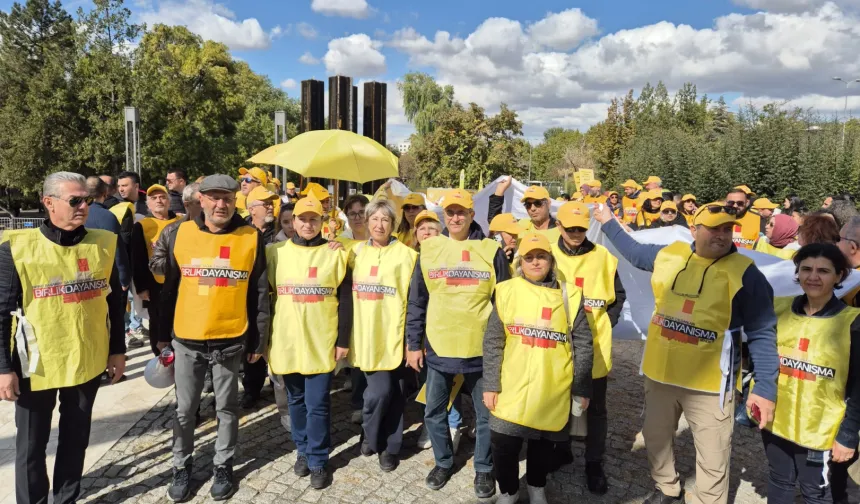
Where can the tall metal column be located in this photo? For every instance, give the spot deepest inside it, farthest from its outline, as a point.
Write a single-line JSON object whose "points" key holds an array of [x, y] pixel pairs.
{"points": [[340, 116], [280, 137], [313, 109], [374, 124], [132, 140]]}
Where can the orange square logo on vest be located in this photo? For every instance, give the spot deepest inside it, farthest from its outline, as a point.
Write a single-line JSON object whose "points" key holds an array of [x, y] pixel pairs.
{"points": [[797, 364], [82, 288], [306, 291], [369, 288], [214, 271]]}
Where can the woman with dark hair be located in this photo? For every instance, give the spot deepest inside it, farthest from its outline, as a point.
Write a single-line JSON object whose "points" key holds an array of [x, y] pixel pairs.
{"points": [[353, 207], [817, 414], [795, 207], [818, 228]]}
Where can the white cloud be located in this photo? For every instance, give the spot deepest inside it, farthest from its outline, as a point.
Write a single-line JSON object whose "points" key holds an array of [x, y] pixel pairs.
{"points": [[358, 9], [288, 84], [212, 21], [828, 105], [308, 59], [306, 30], [356, 55], [793, 5], [563, 31]]}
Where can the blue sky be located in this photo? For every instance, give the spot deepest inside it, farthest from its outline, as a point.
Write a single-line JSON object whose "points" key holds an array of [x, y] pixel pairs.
{"points": [[555, 63]]}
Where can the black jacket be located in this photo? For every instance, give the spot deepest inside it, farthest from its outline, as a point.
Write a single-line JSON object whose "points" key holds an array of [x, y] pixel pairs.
{"points": [[10, 295], [176, 205], [416, 313], [143, 279], [613, 310], [256, 338], [102, 218], [268, 233]]}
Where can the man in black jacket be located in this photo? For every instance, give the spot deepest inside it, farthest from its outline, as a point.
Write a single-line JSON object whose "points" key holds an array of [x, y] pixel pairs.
{"points": [[176, 181], [74, 306]]}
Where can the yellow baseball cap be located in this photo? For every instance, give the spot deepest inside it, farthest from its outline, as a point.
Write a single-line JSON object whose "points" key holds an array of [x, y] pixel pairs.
{"points": [[155, 188], [260, 193], [276, 182], [653, 179], [257, 173], [536, 193], [290, 185], [669, 205], [414, 199], [764, 204], [505, 222], [654, 194], [688, 197], [458, 197], [745, 189], [577, 196], [630, 183], [319, 192], [593, 183], [574, 214], [425, 215], [713, 215], [308, 204], [533, 241]]}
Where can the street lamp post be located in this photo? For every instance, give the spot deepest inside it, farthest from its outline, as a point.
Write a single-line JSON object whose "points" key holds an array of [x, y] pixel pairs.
{"points": [[845, 108]]}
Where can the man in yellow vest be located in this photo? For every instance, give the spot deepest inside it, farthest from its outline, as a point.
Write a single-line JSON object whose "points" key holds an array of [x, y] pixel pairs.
{"points": [[143, 239], [123, 211], [631, 203], [250, 179], [100, 217], [704, 294], [449, 305], [128, 185], [60, 282], [748, 226], [592, 270], [653, 183], [764, 207], [591, 191], [311, 331], [216, 298]]}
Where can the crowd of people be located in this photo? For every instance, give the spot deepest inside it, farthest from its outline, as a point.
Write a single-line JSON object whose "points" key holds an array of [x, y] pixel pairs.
{"points": [[244, 280]]}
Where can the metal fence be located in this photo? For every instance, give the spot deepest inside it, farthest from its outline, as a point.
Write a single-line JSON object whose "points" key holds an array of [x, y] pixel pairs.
{"points": [[9, 223]]}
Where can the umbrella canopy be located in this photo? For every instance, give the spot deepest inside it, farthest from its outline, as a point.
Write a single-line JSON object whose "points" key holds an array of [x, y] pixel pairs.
{"points": [[334, 154]]}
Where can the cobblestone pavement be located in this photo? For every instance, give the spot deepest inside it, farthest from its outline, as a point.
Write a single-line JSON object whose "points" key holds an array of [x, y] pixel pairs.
{"points": [[138, 469]]}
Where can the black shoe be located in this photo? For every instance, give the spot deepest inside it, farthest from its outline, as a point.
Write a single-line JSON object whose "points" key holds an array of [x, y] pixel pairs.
{"points": [[437, 478], [365, 449], [180, 488], [222, 487], [387, 461], [658, 497], [485, 485], [596, 478], [320, 478], [561, 455], [301, 467], [208, 388], [248, 401]]}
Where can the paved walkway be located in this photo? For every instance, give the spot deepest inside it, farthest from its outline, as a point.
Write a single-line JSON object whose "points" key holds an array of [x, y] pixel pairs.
{"points": [[137, 468]]}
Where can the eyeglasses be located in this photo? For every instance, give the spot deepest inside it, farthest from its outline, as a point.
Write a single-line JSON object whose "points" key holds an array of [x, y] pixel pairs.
{"points": [[535, 203], [227, 199], [355, 215], [75, 201], [265, 204], [575, 229], [845, 238], [411, 208]]}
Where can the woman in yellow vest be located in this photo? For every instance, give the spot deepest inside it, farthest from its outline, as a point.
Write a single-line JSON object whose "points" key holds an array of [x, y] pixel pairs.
{"points": [[535, 339], [427, 225], [310, 331], [413, 204], [650, 209], [817, 415], [590, 269], [632, 200], [688, 208], [780, 237], [615, 204], [381, 269]]}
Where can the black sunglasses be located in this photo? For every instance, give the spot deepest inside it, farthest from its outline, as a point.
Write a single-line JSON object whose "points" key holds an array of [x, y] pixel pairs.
{"points": [[715, 209], [669, 211], [738, 204], [575, 229], [75, 201], [535, 203]]}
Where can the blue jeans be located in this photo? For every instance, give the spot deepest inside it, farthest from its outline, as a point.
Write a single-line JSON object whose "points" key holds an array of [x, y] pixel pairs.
{"points": [[455, 419], [436, 418], [309, 398], [133, 322]]}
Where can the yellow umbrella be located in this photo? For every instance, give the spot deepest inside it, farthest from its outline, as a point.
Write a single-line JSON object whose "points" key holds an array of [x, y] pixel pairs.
{"points": [[333, 154]]}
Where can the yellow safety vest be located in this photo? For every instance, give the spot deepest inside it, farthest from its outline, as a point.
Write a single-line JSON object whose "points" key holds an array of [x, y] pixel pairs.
{"points": [[746, 231], [594, 199], [763, 246], [688, 218], [631, 208], [406, 238], [644, 219], [593, 274], [212, 299], [687, 333], [348, 243], [813, 373], [121, 208], [537, 366], [152, 229], [380, 283], [304, 328], [552, 233], [64, 298], [460, 279]]}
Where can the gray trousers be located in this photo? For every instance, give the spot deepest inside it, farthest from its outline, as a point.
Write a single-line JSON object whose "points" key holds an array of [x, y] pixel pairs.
{"points": [[281, 400], [190, 370]]}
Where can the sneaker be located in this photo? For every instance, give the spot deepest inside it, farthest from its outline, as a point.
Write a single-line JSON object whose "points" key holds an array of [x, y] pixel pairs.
{"points": [[455, 438], [424, 439], [471, 432], [485, 485], [301, 467], [132, 340], [596, 478], [437, 478], [248, 401], [508, 499], [658, 497], [366, 450], [537, 495], [387, 461], [208, 388], [180, 488], [222, 487], [357, 417], [320, 478]]}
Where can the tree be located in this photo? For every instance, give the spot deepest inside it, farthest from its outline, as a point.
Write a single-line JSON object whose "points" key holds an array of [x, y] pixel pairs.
{"points": [[424, 100]]}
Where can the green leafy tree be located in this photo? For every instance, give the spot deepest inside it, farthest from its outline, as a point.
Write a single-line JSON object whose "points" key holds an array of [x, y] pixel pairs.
{"points": [[424, 100]]}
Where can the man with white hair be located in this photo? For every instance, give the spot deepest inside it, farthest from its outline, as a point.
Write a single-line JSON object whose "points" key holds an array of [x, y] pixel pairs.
{"points": [[60, 282]]}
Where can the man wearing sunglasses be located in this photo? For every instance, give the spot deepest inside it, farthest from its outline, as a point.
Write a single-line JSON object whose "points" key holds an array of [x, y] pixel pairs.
{"points": [[61, 282], [705, 293], [591, 191], [669, 216], [248, 181], [591, 269], [537, 204], [631, 203], [749, 225], [449, 306]]}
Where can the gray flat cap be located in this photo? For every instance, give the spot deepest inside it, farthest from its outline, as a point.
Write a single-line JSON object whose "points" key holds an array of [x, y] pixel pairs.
{"points": [[219, 182]]}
